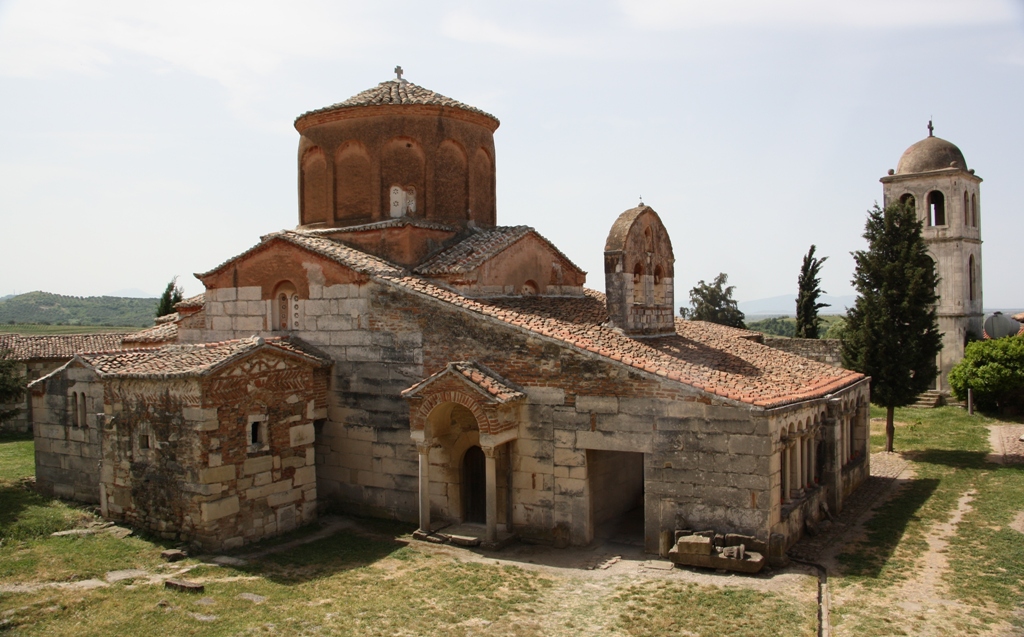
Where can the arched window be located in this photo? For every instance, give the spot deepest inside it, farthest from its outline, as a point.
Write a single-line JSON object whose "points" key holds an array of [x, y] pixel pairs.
{"points": [[936, 208], [74, 408], [659, 286], [974, 210], [286, 307], [81, 410], [909, 201], [970, 278], [967, 209], [638, 284], [529, 288]]}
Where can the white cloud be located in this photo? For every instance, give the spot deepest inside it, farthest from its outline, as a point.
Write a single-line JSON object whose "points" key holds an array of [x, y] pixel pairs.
{"points": [[797, 14], [464, 27], [232, 42]]}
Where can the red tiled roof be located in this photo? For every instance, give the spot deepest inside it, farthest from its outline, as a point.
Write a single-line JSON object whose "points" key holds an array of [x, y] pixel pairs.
{"points": [[195, 359], [486, 381], [719, 360], [397, 92], [57, 346], [400, 222], [478, 248], [334, 250], [1018, 317], [165, 332], [711, 358], [191, 303], [167, 318]]}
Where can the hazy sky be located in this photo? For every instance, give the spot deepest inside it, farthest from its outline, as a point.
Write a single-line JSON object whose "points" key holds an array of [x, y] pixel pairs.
{"points": [[139, 141]]}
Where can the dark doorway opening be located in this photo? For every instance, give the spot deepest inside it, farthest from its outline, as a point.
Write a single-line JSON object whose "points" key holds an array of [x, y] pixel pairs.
{"points": [[617, 495], [474, 486]]}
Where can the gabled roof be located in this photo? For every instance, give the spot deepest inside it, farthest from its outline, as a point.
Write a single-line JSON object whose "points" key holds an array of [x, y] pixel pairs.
{"points": [[397, 92], [333, 250], [165, 332], [57, 346], [194, 359], [478, 248], [493, 387], [711, 358], [191, 303]]}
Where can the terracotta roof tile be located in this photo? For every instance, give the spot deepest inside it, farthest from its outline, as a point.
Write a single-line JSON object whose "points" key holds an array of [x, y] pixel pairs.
{"points": [[478, 248], [166, 332], [486, 381], [195, 359], [711, 358], [334, 250], [193, 302], [397, 92], [379, 225], [57, 346], [1018, 317]]}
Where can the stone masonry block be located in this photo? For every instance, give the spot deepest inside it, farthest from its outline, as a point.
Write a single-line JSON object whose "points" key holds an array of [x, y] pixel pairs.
{"points": [[284, 497], [597, 404], [546, 395], [222, 323], [752, 445], [249, 293], [257, 465], [219, 508], [694, 545], [248, 323], [301, 435], [570, 458], [224, 294], [217, 474], [274, 487], [304, 475]]}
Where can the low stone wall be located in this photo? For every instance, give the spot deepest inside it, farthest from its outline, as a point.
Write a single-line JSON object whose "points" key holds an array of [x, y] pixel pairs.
{"points": [[822, 350]]}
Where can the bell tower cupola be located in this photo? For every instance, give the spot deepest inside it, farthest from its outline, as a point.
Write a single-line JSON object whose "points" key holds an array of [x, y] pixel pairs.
{"points": [[638, 270], [932, 176]]}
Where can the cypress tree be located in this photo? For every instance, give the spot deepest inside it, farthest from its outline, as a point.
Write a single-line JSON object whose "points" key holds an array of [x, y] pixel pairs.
{"points": [[808, 291], [173, 294], [892, 331]]}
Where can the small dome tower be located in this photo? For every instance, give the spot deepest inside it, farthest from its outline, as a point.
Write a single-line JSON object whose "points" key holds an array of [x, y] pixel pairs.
{"points": [[638, 270], [932, 175]]}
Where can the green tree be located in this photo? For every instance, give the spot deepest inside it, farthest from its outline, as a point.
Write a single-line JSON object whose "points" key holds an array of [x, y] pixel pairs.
{"points": [[714, 303], [775, 326], [994, 369], [12, 385], [892, 333], [808, 291], [173, 294]]}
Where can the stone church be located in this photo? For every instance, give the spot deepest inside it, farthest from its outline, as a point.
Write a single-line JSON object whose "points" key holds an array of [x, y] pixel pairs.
{"points": [[933, 177], [400, 354]]}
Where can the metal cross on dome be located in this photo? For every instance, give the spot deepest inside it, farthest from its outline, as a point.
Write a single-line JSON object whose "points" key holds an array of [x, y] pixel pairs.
{"points": [[931, 129], [398, 72]]}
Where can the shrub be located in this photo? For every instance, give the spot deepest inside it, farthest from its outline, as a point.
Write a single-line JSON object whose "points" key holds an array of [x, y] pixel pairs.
{"points": [[994, 369]]}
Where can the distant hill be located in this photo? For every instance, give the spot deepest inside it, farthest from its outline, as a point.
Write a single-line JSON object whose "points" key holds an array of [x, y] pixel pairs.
{"points": [[57, 309], [785, 305]]}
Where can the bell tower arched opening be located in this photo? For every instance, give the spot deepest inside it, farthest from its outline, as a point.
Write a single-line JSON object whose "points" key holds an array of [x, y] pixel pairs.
{"points": [[936, 208]]}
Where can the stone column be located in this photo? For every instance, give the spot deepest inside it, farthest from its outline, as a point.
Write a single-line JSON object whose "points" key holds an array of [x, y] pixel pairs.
{"points": [[424, 451], [813, 441], [491, 473], [785, 472], [799, 481]]}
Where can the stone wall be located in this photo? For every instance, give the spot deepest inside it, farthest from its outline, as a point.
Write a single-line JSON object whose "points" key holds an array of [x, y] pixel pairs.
{"points": [[823, 350], [68, 450], [30, 370]]}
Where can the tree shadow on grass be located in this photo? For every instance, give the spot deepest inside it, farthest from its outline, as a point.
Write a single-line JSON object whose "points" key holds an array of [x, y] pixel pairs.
{"points": [[886, 528], [27, 514], [950, 458], [344, 550]]}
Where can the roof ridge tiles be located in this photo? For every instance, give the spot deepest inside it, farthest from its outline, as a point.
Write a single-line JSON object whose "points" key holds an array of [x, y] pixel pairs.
{"points": [[398, 92]]}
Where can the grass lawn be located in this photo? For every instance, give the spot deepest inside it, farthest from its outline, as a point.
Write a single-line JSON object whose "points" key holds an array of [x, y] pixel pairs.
{"points": [[373, 581], [984, 556]]}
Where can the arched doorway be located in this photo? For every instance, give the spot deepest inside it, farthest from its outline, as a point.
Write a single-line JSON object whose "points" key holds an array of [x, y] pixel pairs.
{"points": [[474, 486]]}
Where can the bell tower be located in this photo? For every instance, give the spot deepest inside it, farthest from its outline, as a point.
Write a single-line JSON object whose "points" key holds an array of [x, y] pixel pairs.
{"points": [[933, 177], [638, 271]]}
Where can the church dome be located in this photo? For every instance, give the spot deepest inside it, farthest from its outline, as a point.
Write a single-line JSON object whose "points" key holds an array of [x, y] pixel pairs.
{"points": [[931, 153], [398, 92]]}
